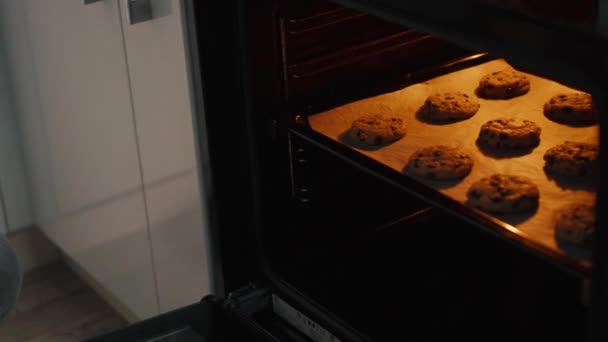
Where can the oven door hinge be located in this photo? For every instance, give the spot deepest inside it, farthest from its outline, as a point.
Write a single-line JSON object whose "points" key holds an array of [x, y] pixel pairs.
{"points": [[295, 326]]}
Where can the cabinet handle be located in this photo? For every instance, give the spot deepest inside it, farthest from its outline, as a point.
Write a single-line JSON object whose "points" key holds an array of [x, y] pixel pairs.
{"points": [[88, 2], [139, 11]]}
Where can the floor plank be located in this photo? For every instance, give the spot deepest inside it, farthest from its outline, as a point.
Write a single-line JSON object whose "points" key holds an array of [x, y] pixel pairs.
{"points": [[58, 283], [55, 305]]}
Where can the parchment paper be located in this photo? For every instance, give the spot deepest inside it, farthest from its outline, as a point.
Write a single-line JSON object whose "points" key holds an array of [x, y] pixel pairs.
{"points": [[405, 103]]}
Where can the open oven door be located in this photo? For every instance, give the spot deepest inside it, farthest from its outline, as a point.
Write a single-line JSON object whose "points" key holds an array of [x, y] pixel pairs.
{"points": [[252, 314], [204, 321]]}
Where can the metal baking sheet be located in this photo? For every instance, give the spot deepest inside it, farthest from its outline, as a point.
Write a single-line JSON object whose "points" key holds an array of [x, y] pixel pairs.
{"points": [[404, 103]]}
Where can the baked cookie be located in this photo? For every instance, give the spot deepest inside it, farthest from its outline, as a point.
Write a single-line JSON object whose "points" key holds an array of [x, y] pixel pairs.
{"points": [[439, 162], [570, 108], [453, 105], [503, 84], [502, 193], [575, 223], [572, 159], [509, 134], [376, 129]]}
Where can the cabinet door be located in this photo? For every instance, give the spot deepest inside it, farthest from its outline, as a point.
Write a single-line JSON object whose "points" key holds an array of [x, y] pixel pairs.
{"points": [[81, 75], [159, 84], [81, 142]]}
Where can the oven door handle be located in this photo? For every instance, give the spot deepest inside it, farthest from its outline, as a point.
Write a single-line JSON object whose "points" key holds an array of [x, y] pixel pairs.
{"points": [[139, 11]]}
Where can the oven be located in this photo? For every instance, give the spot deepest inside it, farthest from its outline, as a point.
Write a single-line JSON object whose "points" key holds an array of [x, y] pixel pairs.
{"points": [[323, 226]]}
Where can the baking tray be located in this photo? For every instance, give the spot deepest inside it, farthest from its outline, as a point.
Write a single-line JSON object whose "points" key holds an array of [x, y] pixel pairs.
{"points": [[405, 103]]}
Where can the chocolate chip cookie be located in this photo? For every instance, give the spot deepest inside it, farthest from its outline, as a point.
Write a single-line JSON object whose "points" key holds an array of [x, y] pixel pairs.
{"points": [[376, 129], [453, 105], [502, 193], [509, 134], [571, 108], [575, 223], [439, 162], [572, 159], [503, 84]]}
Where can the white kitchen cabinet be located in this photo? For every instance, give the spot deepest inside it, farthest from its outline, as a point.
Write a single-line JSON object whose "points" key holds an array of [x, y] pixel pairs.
{"points": [[84, 88], [176, 235], [111, 243], [80, 141], [105, 112], [159, 84]]}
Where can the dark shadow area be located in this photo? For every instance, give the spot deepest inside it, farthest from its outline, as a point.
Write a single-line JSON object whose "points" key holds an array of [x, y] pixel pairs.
{"points": [[516, 218], [483, 96], [502, 154], [421, 116], [575, 251], [513, 218], [571, 183], [578, 124], [346, 139], [435, 184]]}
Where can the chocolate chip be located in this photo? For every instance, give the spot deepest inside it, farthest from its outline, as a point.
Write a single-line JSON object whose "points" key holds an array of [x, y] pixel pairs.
{"points": [[496, 199], [475, 194]]}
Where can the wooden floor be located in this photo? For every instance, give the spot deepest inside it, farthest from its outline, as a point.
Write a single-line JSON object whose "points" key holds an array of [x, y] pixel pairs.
{"points": [[55, 305]]}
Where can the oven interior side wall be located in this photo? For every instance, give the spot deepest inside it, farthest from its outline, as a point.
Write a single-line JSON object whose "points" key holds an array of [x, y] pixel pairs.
{"points": [[331, 54]]}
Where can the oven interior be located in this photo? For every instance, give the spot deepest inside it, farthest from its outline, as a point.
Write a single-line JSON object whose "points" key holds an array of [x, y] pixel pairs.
{"points": [[397, 257]]}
